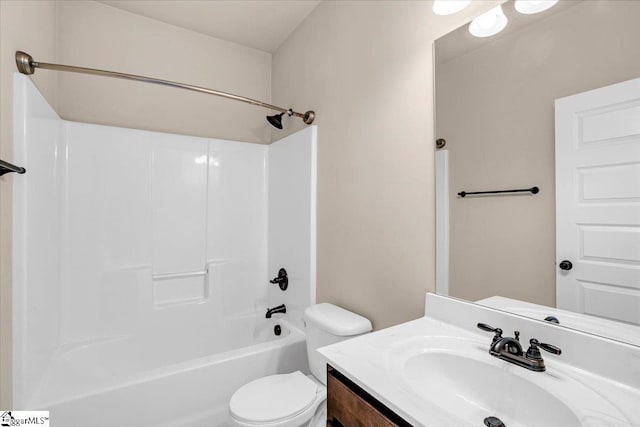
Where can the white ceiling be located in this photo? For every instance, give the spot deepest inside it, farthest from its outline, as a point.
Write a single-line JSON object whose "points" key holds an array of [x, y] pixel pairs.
{"points": [[260, 24]]}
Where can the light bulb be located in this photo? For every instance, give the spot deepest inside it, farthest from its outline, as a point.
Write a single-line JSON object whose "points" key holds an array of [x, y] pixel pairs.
{"points": [[529, 7], [489, 23], [449, 7]]}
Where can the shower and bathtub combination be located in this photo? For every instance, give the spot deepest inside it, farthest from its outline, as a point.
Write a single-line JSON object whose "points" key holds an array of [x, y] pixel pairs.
{"points": [[142, 267]]}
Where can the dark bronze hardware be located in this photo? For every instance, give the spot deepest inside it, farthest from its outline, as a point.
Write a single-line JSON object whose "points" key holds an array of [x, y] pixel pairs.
{"points": [[6, 167], [279, 309], [282, 280], [510, 350], [534, 353], [487, 328], [552, 319], [532, 190], [493, 422], [565, 265]]}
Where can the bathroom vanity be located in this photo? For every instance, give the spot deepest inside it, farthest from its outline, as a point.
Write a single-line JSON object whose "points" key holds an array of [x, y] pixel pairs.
{"points": [[437, 371], [350, 405]]}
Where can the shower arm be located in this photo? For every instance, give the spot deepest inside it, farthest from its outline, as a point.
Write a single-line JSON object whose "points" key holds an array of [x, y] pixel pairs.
{"points": [[27, 65]]}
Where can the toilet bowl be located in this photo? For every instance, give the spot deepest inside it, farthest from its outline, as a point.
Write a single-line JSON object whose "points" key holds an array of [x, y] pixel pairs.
{"points": [[296, 399], [288, 400]]}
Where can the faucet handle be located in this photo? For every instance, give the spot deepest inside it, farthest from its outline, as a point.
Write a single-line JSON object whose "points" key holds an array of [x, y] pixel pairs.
{"points": [[551, 348], [282, 280], [487, 328], [534, 352]]}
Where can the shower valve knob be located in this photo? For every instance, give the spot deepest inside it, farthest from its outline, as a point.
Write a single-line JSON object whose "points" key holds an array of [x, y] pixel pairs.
{"points": [[282, 280]]}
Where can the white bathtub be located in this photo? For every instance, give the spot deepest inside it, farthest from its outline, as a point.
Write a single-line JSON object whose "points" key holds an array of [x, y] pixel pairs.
{"points": [[102, 385]]}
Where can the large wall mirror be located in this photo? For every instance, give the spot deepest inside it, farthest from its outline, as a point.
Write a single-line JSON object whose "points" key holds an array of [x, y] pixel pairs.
{"points": [[552, 101]]}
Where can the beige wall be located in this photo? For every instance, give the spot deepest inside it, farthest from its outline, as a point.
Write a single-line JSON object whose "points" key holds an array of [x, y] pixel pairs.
{"points": [[30, 26], [366, 69], [495, 109], [99, 36]]}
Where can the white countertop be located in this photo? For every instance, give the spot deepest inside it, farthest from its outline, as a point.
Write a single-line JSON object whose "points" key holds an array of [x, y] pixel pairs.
{"points": [[371, 362]]}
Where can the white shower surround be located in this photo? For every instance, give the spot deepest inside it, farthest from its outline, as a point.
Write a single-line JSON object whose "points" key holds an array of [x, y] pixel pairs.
{"points": [[139, 254]]}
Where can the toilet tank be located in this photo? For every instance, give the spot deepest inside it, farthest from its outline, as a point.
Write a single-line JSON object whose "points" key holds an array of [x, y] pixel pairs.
{"points": [[327, 324]]}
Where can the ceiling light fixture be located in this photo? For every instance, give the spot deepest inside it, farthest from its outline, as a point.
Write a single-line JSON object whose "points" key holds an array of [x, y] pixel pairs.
{"points": [[489, 23], [529, 7], [449, 7]]}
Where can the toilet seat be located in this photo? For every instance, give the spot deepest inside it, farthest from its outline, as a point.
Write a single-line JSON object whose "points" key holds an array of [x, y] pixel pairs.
{"points": [[287, 400]]}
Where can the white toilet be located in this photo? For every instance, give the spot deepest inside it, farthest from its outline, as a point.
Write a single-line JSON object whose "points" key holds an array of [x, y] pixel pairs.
{"points": [[296, 400]]}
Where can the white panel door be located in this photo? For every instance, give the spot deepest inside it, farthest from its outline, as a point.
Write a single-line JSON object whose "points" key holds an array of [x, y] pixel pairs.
{"points": [[598, 202]]}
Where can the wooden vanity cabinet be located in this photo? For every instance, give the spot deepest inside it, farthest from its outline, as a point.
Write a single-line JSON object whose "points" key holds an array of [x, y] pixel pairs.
{"points": [[348, 405]]}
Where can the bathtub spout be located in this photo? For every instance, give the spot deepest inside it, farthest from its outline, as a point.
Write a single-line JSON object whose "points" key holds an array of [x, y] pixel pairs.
{"points": [[279, 309]]}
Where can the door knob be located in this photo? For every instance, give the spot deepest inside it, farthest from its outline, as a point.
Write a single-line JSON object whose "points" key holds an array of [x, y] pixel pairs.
{"points": [[565, 265]]}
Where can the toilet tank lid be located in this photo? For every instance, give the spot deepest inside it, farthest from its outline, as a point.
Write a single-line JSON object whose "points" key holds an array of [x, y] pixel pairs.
{"points": [[335, 320]]}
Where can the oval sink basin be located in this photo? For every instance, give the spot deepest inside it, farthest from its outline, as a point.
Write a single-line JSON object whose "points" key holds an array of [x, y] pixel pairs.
{"points": [[473, 390]]}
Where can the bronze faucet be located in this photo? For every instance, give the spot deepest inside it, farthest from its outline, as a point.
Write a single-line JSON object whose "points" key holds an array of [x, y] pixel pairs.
{"points": [[279, 309], [510, 349]]}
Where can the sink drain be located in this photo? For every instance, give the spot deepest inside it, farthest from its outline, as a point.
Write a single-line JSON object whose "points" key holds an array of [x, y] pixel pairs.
{"points": [[493, 422]]}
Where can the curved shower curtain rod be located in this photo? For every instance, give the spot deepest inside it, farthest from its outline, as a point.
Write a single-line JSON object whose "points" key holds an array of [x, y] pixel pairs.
{"points": [[26, 65]]}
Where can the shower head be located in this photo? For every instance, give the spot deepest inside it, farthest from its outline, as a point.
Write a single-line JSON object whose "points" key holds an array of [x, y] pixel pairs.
{"points": [[276, 120]]}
